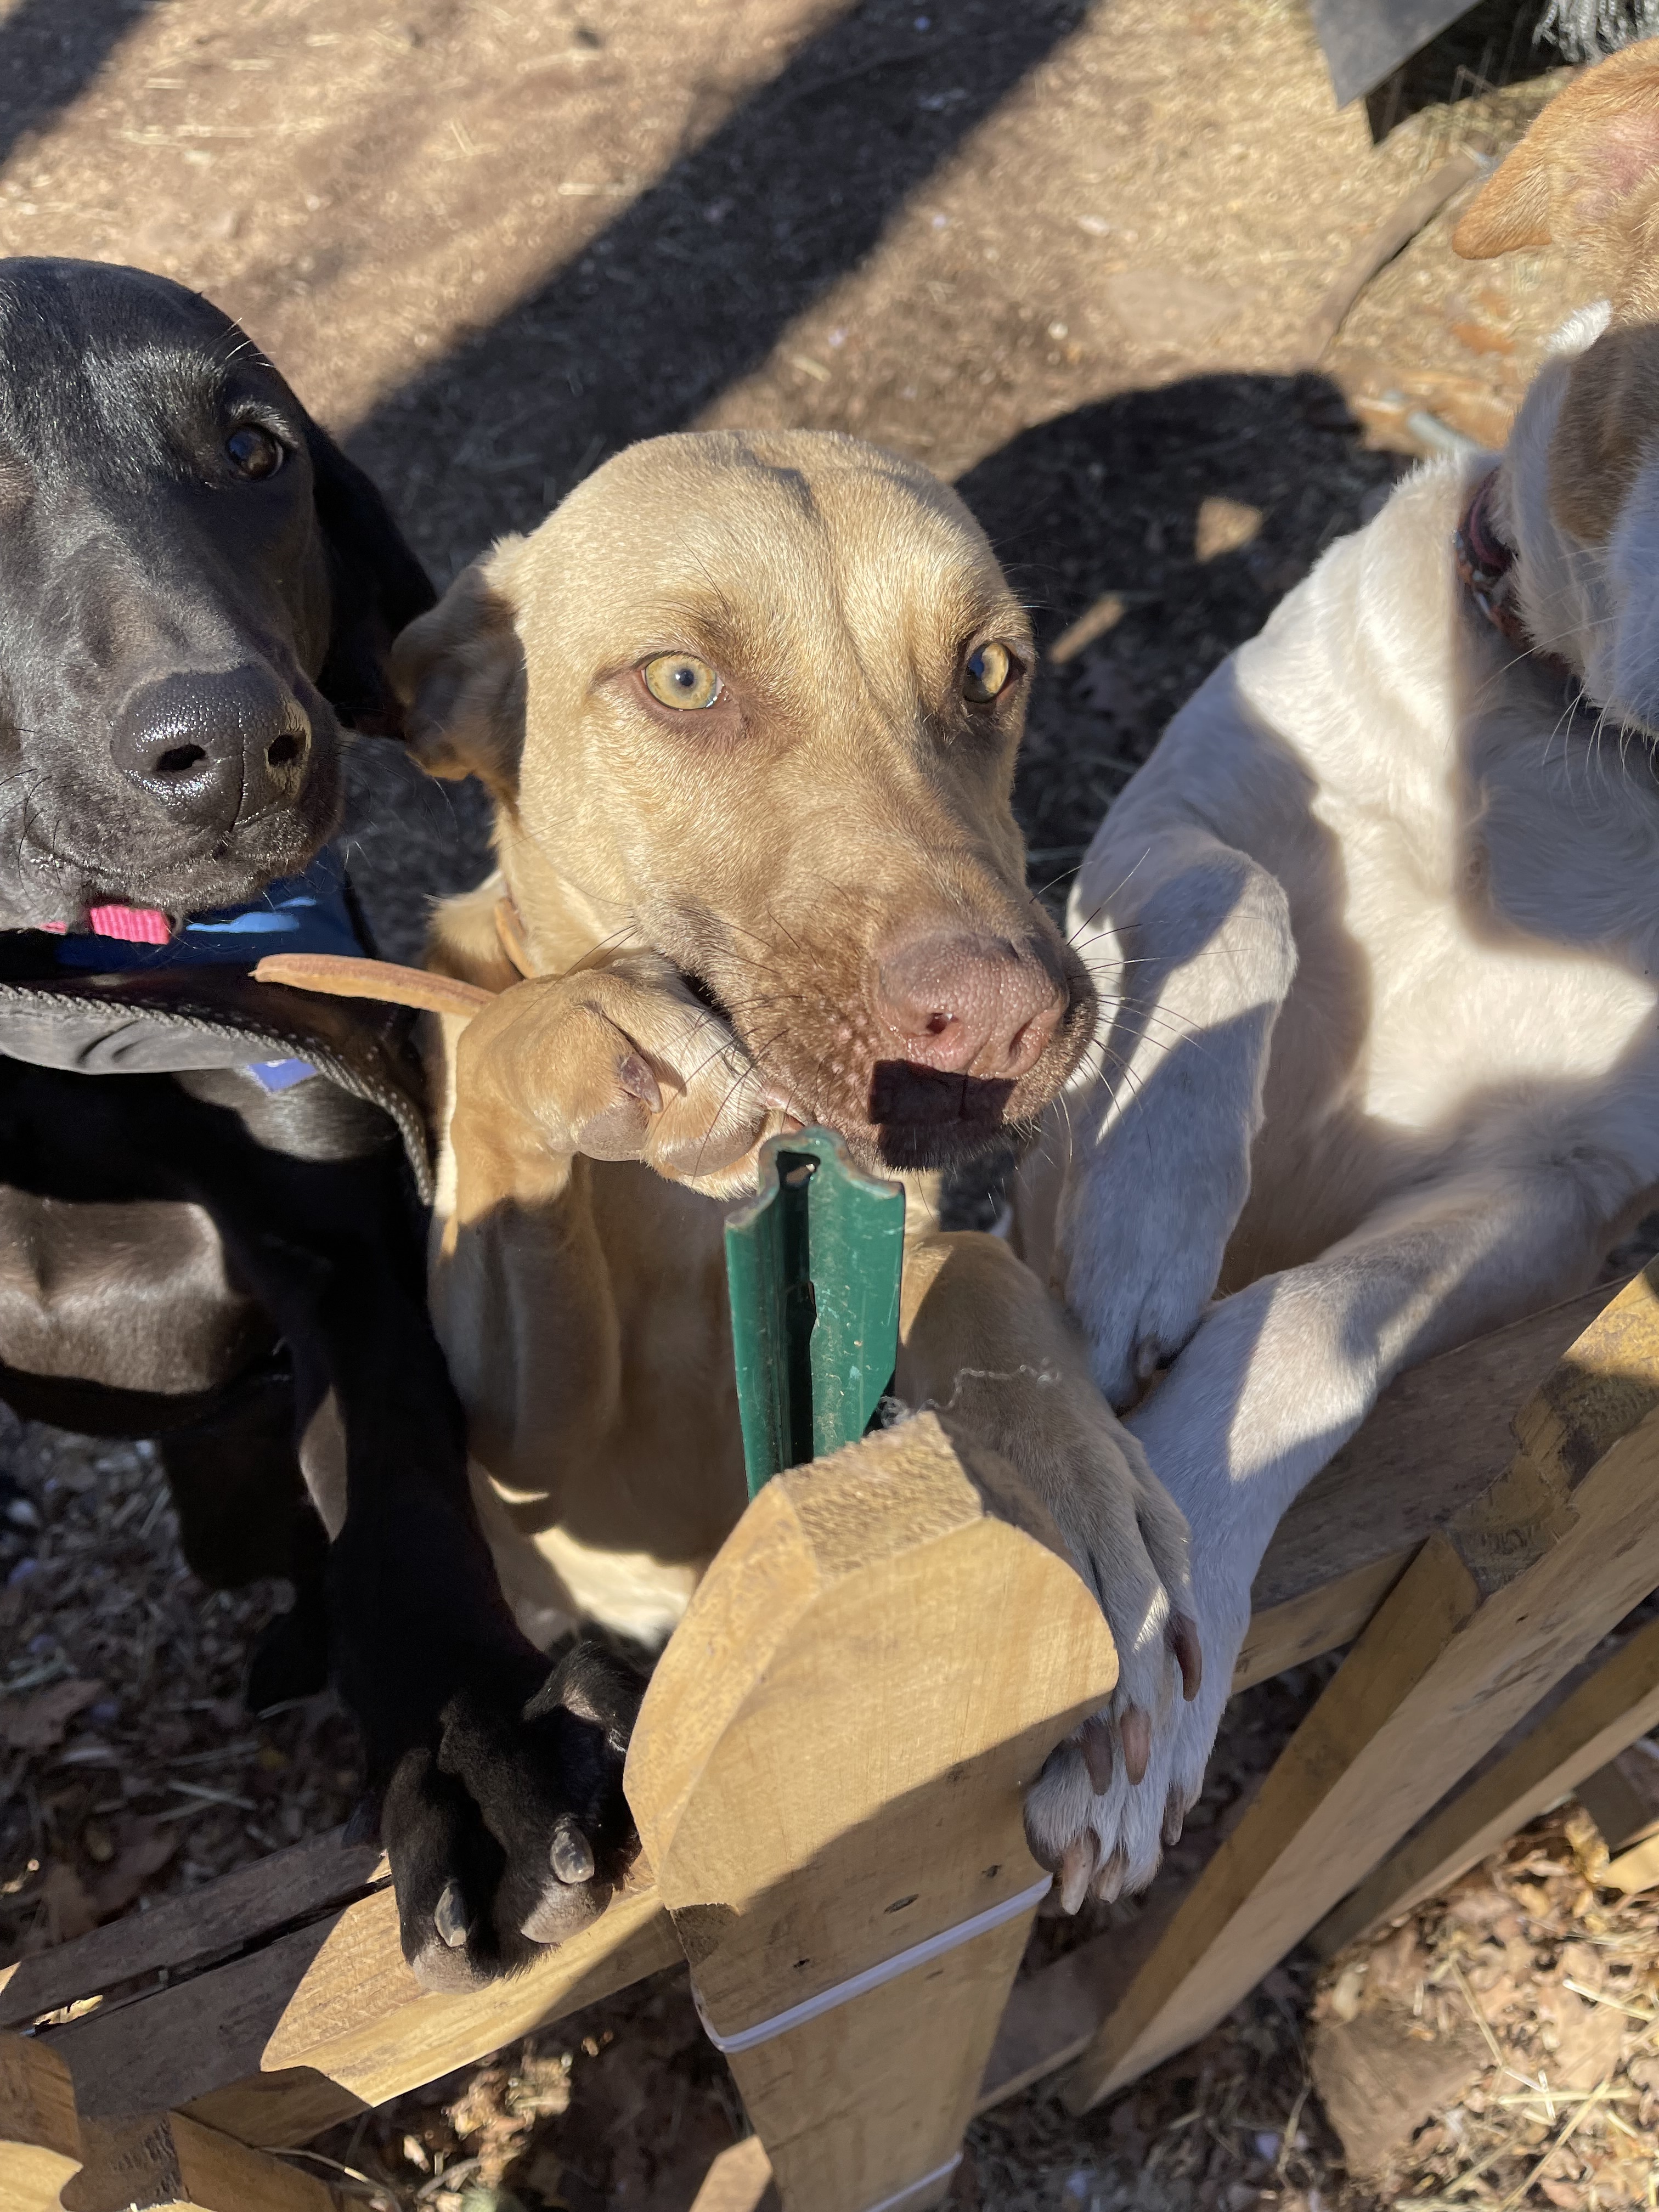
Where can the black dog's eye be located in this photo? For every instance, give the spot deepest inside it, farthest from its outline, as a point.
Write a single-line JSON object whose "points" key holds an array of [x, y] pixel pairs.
{"points": [[254, 453]]}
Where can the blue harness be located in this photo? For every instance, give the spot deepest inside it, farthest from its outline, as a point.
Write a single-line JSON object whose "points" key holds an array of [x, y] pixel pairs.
{"points": [[301, 914]]}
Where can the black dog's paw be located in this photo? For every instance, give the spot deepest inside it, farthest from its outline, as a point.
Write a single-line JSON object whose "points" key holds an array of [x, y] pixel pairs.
{"points": [[289, 1659], [512, 1830]]}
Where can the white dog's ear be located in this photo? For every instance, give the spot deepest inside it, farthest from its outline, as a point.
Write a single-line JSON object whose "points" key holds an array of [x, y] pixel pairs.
{"points": [[1586, 174], [461, 673]]}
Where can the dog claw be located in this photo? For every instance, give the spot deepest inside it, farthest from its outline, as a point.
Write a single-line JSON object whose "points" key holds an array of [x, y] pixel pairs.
{"points": [[1189, 1656], [571, 1855], [1135, 1734], [1076, 1870], [1094, 1741], [1109, 1880], [450, 1917], [637, 1080], [1174, 1819]]}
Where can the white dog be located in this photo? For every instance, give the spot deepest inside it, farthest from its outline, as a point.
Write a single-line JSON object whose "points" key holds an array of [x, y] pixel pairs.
{"points": [[1379, 925]]}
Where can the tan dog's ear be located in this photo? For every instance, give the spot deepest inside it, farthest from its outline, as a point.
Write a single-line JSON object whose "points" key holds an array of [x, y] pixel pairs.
{"points": [[460, 673], [1586, 174]]}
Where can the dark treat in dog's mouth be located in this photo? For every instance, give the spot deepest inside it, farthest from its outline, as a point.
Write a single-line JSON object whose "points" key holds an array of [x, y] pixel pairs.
{"points": [[915, 1117], [904, 1096]]}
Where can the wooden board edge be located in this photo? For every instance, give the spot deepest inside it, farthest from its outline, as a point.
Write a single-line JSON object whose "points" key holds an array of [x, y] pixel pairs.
{"points": [[193, 1933], [1610, 1709], [1322, 1619]]}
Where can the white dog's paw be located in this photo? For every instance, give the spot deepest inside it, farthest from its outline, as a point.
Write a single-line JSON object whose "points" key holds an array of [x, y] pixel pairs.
{"points": [[1139, 1252], [1113, 1797]]}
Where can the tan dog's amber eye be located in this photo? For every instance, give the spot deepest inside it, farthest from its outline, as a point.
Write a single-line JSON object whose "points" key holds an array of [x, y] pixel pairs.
{"points": [[986, 672], [678, 680]]}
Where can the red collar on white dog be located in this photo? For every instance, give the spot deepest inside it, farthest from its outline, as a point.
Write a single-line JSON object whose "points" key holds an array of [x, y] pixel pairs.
{"points": [[1485, 565]]}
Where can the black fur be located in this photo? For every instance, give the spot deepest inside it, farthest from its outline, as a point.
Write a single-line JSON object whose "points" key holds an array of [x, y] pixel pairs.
{"points": [[179, 644]]}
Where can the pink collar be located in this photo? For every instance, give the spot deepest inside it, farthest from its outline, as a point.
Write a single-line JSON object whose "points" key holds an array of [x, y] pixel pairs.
{"points": [[132, 925], [1487, 565]]}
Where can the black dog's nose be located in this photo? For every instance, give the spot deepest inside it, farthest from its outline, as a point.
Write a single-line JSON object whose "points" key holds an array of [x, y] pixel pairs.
{"points": [[215, 748]]}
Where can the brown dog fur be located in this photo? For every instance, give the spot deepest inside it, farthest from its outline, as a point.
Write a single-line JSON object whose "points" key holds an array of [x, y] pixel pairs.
{"points": [[1587, 174], [713, 904]]}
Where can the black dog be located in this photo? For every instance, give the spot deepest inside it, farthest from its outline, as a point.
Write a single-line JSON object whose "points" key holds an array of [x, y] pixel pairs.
{"points": [[197, 590]]}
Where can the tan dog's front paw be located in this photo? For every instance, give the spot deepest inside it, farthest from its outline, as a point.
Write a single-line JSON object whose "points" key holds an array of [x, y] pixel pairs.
{"points": [[619, 1062]]}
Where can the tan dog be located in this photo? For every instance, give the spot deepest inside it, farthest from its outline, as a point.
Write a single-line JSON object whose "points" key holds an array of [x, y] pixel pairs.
{"points": [[748, 707]]}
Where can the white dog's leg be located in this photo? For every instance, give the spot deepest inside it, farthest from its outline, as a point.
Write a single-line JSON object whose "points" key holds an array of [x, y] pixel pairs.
{"points": [[1190, 945], [1276, 1379]]}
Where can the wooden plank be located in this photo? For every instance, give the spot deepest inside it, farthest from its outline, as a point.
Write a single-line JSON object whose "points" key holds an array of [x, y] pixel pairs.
{"points": [[1053, 2015], [332, 2008], [1496, 1608], [1619, 1702], [249, 1906], [279, 2111], [167, 2163], [360, 2017], [1633, 1870], [739, 2180], [827, 1774], [40, 2133], [1324, 1616], [1437, 1437], [1622, 1797], [250, 2051], [31, 2179], [249, 2045]]}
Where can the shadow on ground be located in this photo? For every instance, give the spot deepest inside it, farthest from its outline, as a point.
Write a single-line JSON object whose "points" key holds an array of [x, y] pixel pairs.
{"points": [[49, 55]]}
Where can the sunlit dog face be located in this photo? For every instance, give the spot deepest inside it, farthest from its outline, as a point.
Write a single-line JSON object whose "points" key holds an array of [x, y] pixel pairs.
{"points": [[196, 589], [1580, 482], [1581, 487], [755, 701]]}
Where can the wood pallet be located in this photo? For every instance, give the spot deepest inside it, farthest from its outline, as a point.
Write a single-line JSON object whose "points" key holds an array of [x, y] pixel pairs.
{"points": [[854, 1921]]}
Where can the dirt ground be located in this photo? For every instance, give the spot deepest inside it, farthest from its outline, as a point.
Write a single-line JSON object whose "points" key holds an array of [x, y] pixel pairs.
{"points": [[1066, 254]]}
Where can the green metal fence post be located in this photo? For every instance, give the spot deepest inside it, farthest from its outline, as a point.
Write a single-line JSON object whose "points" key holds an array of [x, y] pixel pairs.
{"points": [[812, 1264]]}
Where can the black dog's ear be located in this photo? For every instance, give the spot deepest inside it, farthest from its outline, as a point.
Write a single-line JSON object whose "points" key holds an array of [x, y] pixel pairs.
{"points": [[376, 587]]}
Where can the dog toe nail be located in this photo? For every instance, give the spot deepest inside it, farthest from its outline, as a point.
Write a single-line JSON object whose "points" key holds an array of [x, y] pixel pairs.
{"points": [[450, 1917], [637, 1080], [1174, 1819], [571, 1855], [1077, 1868], [1189, 1656], [1094, 1741], [1135, 1734], [1109, 1880]]}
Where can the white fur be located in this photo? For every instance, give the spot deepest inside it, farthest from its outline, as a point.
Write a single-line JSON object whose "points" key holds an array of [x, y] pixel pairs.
{"points": [[1582, 328], [1379, 922]]}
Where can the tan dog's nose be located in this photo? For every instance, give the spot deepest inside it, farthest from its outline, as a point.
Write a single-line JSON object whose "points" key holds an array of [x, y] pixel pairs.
{"points": [[970, 1006]]}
